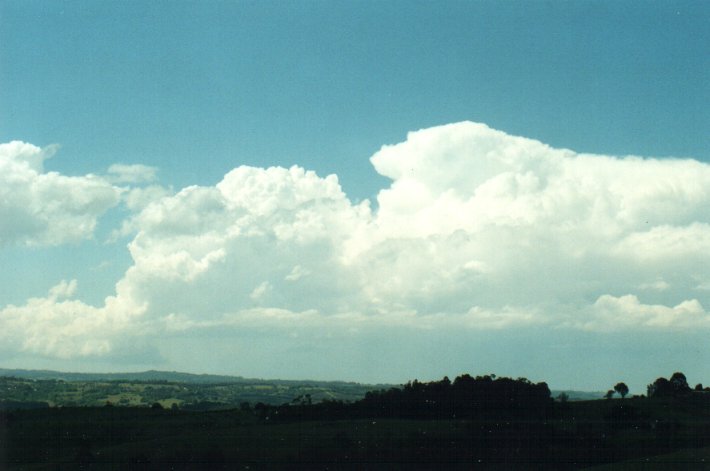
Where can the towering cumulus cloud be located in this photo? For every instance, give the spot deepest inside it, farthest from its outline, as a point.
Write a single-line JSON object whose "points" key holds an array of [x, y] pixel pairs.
{"points": [[478, 230], [477, 218]]}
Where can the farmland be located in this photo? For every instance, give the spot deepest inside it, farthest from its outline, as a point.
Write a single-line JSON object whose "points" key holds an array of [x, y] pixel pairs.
{"points": [[61, 393]]}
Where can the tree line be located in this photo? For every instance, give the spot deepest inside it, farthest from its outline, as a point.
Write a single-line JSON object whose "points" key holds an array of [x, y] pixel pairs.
{"points": [[467, 397]]}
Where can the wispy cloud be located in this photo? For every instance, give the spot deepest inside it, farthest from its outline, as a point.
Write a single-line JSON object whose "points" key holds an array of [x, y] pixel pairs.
{"points": [[135, 173]]}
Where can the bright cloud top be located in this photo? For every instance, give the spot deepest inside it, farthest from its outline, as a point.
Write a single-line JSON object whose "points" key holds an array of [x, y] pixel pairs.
{"points": [[478, 230]]}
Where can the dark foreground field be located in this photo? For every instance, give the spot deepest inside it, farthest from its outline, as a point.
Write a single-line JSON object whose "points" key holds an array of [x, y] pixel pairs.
{"points": [[673, 433]]}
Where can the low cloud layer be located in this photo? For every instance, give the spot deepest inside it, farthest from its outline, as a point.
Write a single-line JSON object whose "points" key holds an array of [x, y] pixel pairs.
{"points": [[479, 230]]}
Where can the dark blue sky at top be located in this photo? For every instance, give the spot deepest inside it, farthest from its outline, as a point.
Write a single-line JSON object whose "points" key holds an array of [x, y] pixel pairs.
{"points": [[197, 88]]}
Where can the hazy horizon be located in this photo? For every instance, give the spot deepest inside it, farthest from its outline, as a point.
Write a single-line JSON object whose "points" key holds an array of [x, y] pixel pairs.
{"points": [[357, 191], [266, 379]]}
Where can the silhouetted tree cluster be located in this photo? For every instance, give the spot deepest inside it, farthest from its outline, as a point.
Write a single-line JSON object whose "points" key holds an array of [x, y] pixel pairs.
{"points": [[676, 386], [466, 397]]}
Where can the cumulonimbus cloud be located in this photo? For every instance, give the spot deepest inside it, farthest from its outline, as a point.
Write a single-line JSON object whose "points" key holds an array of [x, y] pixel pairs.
{"points": [[478, 230]]}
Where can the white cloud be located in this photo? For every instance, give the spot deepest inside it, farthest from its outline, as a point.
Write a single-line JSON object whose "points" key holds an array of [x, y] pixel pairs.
{"points": [[136, 199], [63, 290], [38, 208], [611, 313], [478, 230], [261, 291], [24, 155], [665, 242], [297, 273], [135, 173], [657, 285], [504, 317], [58, 326]]}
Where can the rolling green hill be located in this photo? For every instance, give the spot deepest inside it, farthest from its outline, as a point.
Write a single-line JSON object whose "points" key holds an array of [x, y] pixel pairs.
{"points": [[31, 388]]}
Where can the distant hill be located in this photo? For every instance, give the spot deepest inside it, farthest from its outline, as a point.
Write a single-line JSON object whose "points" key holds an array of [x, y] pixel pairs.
{"points": [[167, 387], [191, 378], [579, 395], [151, 376], [147, 376]]}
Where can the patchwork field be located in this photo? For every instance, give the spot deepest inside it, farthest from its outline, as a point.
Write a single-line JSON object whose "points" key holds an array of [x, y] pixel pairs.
{"points": [[58, 392]]}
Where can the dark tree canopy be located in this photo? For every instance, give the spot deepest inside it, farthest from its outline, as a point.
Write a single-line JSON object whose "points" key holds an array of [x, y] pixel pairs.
{"points": [[677, 385], [465, 398], [622, 389], [660, 388], [679, 382]]}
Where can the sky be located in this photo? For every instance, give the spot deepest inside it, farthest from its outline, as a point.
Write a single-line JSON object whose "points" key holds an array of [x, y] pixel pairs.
{"points": [[364, 191]]}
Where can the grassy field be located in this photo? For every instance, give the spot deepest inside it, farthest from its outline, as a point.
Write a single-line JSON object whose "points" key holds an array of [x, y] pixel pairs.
{"points": [[468, 423], [146, 439], [630, 434], [687, 459]]}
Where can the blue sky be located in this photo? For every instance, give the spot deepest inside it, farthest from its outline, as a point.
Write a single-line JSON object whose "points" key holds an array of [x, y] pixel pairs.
{"points": [[325, 84], [191, 90]]}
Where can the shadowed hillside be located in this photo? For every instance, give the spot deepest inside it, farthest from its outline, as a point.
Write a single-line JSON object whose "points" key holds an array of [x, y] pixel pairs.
{"points": [[470, 422]]}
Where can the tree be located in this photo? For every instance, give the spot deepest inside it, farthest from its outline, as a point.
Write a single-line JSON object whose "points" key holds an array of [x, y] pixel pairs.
{"points": [[563, 397], [676, 386], [680, 383], [609, 394], [660, 388], [622, 389]]}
